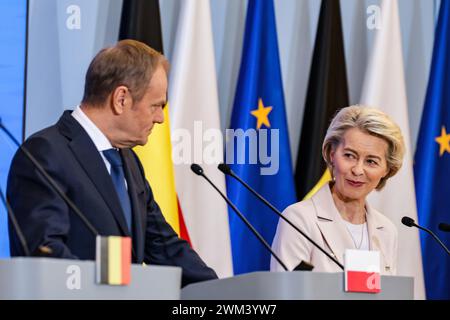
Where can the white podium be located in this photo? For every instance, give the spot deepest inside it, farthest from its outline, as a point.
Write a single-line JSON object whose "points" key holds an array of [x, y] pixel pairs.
{"points": [[297, 285], [47, 278]]}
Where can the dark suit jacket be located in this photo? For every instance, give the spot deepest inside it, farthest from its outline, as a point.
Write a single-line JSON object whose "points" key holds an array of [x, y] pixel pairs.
{"points": [[70, 157]]}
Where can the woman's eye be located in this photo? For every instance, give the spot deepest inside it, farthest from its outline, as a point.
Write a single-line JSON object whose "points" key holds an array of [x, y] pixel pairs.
{"points": [[349, 155]]}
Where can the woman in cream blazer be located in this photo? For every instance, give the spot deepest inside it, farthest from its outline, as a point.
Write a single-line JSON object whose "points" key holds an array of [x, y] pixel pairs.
{"points": [[363, 148]]}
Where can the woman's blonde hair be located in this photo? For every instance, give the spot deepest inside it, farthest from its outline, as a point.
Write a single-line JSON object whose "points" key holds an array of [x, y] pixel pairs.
{"points": [[373, 122]]}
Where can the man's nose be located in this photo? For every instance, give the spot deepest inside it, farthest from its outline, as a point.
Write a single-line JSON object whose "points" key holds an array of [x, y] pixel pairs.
{"points": [[159, 117]]}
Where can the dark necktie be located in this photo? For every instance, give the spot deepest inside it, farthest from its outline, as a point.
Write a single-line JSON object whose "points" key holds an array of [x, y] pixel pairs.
{"points": [[118, 179]]}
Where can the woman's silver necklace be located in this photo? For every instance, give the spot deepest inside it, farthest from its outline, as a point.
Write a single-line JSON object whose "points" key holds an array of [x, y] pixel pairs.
{"points": [[362, 233], [362, 237]]}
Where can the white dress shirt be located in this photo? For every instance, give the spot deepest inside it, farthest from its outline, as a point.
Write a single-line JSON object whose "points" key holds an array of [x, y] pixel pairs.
{"points": [[100, 141]]}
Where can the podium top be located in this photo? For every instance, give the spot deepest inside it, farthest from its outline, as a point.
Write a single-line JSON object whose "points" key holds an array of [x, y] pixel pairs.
{"points": [[296, 285], [49, 278]]}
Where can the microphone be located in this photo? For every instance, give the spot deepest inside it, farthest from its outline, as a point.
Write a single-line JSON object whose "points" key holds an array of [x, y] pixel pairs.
{"points": [[199, 171], [409, 222], [444, 227], [227, 171], [50, 180]]}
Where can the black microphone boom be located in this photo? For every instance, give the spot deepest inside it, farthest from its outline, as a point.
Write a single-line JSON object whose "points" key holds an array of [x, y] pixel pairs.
{"points": [[199, 171], [227, 170], [50, 180], [409, 222], [11, 215], [12, 218]]}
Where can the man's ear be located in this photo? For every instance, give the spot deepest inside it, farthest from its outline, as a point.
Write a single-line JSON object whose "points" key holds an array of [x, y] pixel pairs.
{"points": [[120, 98]]}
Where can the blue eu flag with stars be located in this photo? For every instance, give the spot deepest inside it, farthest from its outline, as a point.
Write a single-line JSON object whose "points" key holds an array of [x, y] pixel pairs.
{"points": [[432, 163]]}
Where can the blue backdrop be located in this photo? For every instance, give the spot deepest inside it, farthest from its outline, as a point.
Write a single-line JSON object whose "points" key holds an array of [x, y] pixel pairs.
{"points": [[12, 84]]}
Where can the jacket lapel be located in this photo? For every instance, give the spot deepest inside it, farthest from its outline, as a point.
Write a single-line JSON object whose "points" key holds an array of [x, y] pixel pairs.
{"points": [[335, 233], [89, 158], [332, 228], [136, 190], [376, 234]]}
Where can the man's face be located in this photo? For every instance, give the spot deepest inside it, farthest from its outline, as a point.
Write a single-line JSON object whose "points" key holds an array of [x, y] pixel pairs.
{"points": [[138, 120]]}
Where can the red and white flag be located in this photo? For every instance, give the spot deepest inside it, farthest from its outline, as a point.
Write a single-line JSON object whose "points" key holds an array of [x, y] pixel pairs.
{"points": [[362, 271], [197, 136]]}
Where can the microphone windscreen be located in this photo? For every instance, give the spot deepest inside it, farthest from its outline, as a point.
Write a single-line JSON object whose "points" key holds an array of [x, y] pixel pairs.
{"points": [[407, 221], [444, 227], [224, 168], [197, 169]]}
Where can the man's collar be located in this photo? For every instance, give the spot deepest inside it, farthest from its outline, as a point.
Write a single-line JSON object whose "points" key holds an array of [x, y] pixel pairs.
{"points": [[97, 136]]}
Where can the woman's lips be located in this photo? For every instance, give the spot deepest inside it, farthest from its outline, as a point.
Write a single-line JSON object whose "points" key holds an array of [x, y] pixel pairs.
{"points": [[354, 183]]}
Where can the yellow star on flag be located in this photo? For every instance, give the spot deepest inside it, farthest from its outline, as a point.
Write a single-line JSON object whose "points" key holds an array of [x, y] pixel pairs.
{"points": [[262, 115], [444, 142]]}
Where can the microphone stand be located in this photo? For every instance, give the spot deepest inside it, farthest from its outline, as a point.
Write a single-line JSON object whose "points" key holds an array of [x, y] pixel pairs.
{"points": [[50, 180], [199, 171], [227, 170], [15, 224]]}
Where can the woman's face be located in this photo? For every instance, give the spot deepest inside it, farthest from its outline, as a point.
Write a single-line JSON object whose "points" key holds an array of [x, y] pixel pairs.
{"points": [[359, 163]]}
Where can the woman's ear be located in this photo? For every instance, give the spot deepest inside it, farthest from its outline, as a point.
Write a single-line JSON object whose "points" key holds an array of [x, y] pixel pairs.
{"points": [[332, 155]]}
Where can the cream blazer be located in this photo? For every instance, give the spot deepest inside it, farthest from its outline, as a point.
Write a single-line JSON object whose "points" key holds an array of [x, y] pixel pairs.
{"points": [[319, 218]]}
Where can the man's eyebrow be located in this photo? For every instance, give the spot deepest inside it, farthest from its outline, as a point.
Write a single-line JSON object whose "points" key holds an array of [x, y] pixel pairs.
{"points": [[160, 102]]}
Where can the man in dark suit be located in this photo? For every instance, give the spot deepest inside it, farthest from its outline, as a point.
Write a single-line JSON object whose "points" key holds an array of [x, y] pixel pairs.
{"points": [[88, 152]]}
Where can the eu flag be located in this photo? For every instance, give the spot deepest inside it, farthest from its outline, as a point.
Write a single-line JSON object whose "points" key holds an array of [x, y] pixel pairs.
{"points": [[432, 162], [258, 144]]}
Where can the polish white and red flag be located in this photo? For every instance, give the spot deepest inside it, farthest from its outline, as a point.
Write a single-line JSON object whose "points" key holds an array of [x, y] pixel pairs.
{"points": [[362, 271]]}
